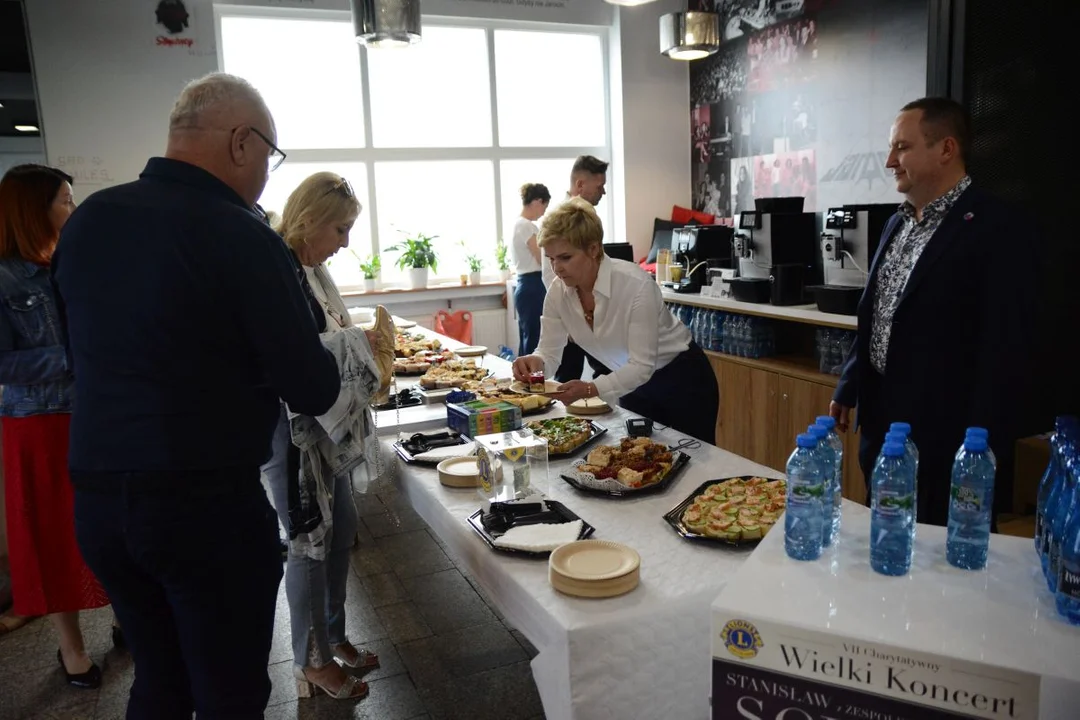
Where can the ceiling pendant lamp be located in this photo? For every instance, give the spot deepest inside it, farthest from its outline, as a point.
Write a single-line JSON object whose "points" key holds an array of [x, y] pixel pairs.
{"points": [[628, 3], [386, 23], [689, 35]]}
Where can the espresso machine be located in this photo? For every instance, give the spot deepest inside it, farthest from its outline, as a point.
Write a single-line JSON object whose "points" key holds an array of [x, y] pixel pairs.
{"points": [[848, 244], [777, 255], [698, 248]]}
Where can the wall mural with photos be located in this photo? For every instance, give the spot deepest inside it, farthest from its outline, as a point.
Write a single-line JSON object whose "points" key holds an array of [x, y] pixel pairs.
{"points": [[799, 100]]}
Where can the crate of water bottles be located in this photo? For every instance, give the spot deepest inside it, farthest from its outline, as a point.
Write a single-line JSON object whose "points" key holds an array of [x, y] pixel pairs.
{"points": [[832, 347], [812, 519], [1057, 519], [743, 335]]}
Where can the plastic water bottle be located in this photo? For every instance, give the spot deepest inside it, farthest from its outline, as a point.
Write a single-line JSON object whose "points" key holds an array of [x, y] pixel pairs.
{"points": [[1059, 519], [838, 470], [826, 458], [985, 435], [1058, 442], [1060, 494], [1068, 578], [912, 452], [805, 513], [971, 501], [892, 511]]}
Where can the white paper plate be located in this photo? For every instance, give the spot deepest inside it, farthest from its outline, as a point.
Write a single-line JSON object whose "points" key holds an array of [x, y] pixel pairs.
{"points": [[550, 386], [594, 560], [459, 472], [588, 406], [404, 324], [471, 351]]}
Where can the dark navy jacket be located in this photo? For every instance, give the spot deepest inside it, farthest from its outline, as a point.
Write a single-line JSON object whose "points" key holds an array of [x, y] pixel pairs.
{"points": [[186, 324], [959, 349], [33, 364]]}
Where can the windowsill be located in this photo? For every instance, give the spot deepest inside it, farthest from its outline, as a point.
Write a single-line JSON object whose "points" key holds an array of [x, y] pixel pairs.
{"points": [[441, 290]]}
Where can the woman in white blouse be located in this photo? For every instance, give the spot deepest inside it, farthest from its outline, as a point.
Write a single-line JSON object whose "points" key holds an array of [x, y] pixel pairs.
{"points": [[315, 224], [614, 311], [525, 253]]}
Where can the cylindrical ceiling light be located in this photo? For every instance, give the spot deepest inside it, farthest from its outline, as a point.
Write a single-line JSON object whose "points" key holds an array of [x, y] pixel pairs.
{"points": [[628, 3], [689, 35], [386, 23]]}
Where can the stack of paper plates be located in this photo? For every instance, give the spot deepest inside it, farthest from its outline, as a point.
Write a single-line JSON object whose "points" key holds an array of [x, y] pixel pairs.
{"points": [[594, 569], [588, 406]]}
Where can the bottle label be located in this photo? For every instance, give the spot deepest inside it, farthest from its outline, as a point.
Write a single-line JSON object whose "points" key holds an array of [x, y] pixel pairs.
{"points": [[1069, 580], [967, 499], [805, 489], [893, 504]]}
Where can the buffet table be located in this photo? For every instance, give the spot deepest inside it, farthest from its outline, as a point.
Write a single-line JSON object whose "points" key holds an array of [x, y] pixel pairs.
{"points": [[936, 643], [641, 655]]}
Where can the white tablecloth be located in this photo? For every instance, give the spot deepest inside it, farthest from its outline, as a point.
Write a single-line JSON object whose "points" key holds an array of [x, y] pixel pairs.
{"points": [[643, 655]]}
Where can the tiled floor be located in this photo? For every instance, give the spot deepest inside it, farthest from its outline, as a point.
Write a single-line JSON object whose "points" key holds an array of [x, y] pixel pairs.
{"points": [[445, 652]]}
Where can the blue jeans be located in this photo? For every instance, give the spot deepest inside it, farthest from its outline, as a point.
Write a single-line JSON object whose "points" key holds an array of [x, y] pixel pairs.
{"points": [[315, 588], [529, 303], [192, 566]]}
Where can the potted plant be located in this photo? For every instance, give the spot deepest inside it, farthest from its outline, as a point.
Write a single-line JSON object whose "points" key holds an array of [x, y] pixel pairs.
{"points": [[417, 255], [371, 268], [502, 260], [475, 265]]}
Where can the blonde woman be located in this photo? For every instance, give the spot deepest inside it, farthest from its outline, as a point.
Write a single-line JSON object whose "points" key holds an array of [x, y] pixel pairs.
{"points": [[315, 224], [614, 311]]}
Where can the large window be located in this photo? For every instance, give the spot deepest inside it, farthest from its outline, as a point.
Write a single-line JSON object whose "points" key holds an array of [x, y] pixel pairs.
{"points": [[434, 139]]}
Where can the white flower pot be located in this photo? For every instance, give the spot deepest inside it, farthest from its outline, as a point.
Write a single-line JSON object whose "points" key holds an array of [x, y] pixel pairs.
{"points": [[504, 275], [474, 278], [369, 284], [418, 278]]}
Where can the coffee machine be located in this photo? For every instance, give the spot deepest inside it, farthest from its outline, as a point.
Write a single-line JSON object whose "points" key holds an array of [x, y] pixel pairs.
{"points": [[848, 245], [779, 247], [698, 248]]}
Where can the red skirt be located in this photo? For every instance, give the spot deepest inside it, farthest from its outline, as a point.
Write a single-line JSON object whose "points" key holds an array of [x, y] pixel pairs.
{"points": [[48, 574]]}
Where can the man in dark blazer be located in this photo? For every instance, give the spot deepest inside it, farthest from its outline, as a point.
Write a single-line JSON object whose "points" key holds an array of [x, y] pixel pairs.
{"points": [[945, 321]]}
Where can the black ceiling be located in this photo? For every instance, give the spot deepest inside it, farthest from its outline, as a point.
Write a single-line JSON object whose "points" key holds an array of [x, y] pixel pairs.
{"points": [[14, 59]]}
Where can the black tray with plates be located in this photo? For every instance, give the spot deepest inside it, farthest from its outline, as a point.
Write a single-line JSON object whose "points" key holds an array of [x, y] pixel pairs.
{"points": [[409, 397], [585, 482], [499, 522], [423, 442], [674, 516], [596, 431]]}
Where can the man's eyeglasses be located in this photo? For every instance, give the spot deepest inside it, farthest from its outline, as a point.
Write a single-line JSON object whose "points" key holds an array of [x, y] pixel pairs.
{"points": [[277, 156]]}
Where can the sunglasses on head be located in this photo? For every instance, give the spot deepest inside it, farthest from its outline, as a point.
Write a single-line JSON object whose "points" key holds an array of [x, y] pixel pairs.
{"points": [[343, 187]]}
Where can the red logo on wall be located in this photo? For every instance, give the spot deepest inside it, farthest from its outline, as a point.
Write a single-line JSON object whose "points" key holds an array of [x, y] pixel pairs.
{"points": [[174, 16]]}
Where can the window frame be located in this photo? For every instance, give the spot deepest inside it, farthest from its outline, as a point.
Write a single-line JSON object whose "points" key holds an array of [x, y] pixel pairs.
{"points": [[370, 155]]}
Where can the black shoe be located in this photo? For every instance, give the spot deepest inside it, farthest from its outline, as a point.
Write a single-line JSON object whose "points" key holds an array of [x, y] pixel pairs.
{"points": [[118, 640], [89, 680]]}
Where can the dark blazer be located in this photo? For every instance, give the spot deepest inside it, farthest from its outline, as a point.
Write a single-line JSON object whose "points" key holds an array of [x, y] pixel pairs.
{"points": [[959, 347]]}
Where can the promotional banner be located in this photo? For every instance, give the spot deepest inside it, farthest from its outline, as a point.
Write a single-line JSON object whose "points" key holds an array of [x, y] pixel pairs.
{"points": [[766, 671]]}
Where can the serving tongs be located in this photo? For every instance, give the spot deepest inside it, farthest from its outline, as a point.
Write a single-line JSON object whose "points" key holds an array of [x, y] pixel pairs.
{"points": [[504, 515], [409, 397], [421, 443]]}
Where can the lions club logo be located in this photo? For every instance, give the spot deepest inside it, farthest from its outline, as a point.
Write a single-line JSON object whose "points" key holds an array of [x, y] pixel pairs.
{"points": [[741, 639]]}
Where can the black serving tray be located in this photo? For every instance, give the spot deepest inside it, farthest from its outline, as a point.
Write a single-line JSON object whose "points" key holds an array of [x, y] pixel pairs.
{"points": [[673, 517], [406, 449], [553, 505], [597, 432], [677, 466]]}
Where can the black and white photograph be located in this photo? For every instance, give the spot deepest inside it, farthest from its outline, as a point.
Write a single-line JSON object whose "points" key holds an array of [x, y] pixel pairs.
{"points": [[719, 77], [742, 185], [742, 17], [782, 55]]}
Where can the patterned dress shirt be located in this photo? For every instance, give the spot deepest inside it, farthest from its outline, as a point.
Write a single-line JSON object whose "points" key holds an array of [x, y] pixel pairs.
{"points": [[900, 258]]}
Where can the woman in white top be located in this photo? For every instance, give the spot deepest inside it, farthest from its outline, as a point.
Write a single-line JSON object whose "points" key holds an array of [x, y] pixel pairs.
{"points": [[315, 224], [525, 253], [614, 311]]}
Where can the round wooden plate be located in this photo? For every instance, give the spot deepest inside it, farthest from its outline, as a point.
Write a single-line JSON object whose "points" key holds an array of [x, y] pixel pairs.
{"points": [[460, 472], [550, 387], [594, 560], [471, 351]]}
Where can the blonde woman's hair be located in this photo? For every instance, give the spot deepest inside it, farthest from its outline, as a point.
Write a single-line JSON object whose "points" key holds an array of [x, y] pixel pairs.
{"points": [[324, 197], [576, 222]]}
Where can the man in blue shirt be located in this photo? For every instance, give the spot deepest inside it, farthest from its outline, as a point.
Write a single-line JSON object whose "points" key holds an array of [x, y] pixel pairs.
{"points": [[185, 325]]}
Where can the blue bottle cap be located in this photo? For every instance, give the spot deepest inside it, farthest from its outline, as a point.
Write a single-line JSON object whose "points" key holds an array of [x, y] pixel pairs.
{"points": [[817, 430], [896, 437], [978, 432], [893, 449], [974, 443], [806, 441], [901, 427], [826, 420]]}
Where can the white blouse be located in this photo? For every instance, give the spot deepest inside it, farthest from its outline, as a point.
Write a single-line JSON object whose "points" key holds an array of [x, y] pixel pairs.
{"points": [[524, 262], [632, 333]]}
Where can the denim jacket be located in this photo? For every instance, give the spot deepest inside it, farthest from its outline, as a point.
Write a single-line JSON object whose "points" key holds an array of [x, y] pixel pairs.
{"points": [[33, 358]]}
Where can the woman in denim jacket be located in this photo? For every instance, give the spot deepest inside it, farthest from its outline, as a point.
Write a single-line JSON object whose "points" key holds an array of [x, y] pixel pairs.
{"points": [[48, 574]]}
